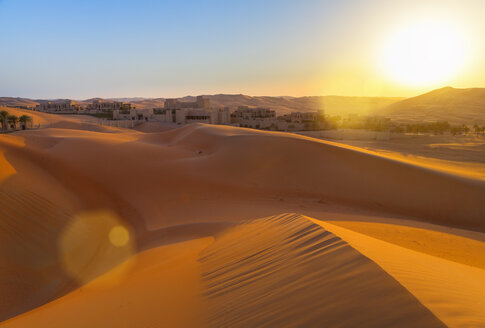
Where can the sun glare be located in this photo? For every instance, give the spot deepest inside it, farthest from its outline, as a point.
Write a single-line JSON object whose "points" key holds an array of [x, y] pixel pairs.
{"points": [[424, 53]]}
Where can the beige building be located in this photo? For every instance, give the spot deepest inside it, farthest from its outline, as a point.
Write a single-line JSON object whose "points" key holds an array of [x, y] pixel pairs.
{"points": [[199, 115], [198, 111], [144, 114], [69, 106], [256, 118], [64, 106], [303, 117], [265, 118], [99, 106], [200, 102], [302, 121], [178, 112]]}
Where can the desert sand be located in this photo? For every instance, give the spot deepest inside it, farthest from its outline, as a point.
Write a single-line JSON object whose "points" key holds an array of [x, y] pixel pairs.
{"points": [[460, 155], [227, 227], [455, 105]]}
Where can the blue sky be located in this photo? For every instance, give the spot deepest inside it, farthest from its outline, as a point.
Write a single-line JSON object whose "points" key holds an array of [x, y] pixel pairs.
{"points": [[106, 48]]}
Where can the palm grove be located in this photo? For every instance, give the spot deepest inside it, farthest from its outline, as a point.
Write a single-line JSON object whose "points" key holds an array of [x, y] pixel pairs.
{"points": [[8, 120]]}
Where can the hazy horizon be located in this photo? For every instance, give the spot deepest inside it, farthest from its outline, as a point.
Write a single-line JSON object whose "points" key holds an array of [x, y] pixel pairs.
{"points": [[225, 94], [153, 49], [194, 95]]}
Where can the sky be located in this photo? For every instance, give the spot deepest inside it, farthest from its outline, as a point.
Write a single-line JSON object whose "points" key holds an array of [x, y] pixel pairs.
{"points": [[146, 48]]}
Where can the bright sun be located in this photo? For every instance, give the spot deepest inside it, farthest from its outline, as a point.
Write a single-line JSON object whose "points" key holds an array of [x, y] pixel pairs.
{"points": [[424, 53]]}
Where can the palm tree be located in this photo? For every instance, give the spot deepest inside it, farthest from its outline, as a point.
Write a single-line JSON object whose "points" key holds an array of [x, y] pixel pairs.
{"points": [[13, 119], [477, 129], [3, 118], [24, 119]]}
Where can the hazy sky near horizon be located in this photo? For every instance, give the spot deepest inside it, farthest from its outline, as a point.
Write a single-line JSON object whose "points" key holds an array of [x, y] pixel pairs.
{"points": [[147, 48]]}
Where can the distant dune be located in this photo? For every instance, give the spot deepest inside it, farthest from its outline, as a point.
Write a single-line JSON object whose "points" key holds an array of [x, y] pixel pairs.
{"points": [[457, 106], [11, 101]]}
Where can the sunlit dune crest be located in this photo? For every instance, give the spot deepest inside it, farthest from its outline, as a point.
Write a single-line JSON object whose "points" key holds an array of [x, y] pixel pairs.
{"points": [[436, 282], [298, 273]]}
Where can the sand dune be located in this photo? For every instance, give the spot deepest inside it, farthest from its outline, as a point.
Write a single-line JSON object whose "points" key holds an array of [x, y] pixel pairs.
{"points": [[462, 155], [280, 271], [157, 288], [454, 292], [212, 159], [287, 272], [101, 218], [15, 101], [29, 251], [64, 121], [457, 106]]}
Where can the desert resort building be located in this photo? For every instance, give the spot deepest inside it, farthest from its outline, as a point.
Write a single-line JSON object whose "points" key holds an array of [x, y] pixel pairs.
{"points": [[200, 110], [179, 112], [70, 107], [64, 106], [106, 106], [174, 111], [265, 118]]}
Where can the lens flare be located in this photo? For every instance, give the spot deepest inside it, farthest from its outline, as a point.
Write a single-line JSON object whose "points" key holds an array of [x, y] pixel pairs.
{"points": [[94, 243], [119, 236]]}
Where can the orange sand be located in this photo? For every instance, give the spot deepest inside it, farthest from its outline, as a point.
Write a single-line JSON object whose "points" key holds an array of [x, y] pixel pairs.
{"points": [[112, 227]]}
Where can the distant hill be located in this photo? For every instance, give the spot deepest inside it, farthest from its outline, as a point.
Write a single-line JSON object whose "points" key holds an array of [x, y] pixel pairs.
{"points": [[457, 106], [128, 99], [11, 101], [26, 102]]}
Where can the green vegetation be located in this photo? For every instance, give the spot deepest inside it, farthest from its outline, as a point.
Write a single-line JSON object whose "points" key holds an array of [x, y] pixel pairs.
{"points": [[372, 123], [479, 130], [10, 122], [13, 119], [3, 119], [378, 123], [432, 127], [24, 119]]}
